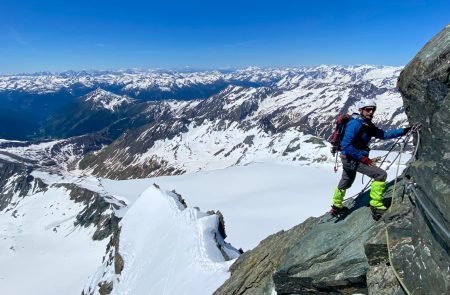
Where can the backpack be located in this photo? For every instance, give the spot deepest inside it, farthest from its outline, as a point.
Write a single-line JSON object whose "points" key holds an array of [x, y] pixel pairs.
{"points": [[338, 133]]}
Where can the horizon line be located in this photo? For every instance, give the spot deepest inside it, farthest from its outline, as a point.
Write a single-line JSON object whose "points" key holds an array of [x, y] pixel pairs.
{"points": [[193, 69]]}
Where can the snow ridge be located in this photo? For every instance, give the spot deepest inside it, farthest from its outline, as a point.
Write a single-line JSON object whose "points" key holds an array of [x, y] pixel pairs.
{"points": [[158, 232]]}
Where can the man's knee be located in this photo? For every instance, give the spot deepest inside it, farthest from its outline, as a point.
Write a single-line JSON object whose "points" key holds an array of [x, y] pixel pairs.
{"points": [[382, 176], [345, 184]]}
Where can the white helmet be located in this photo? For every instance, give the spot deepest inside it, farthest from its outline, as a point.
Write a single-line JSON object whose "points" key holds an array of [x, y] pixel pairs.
{"points": [[367, 102]]}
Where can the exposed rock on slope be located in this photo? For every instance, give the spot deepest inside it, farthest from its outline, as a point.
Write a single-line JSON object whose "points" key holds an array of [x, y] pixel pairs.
{"points": [[16, 181], [425, 86], [352, 256], [319, 256]]}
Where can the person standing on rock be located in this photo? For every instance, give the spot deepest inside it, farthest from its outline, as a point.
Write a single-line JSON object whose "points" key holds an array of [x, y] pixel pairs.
{"points": [[355, 157]]}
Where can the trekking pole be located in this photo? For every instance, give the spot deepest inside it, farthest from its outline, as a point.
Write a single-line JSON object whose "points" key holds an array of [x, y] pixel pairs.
{"points": [[336, 163]]}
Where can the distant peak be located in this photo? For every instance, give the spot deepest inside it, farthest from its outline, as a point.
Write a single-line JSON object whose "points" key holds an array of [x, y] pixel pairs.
{"points": [[101, 98]]}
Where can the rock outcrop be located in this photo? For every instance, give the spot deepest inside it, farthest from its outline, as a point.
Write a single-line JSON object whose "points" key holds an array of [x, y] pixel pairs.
{"points": [[425, 86], [319, 256], [407, 251], [16, 181]]}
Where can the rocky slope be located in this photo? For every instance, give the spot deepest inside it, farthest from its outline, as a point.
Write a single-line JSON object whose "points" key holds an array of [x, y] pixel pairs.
{"points": [[407, 252]]}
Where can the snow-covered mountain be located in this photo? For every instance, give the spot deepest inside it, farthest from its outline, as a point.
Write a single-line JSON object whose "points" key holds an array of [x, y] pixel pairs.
{"points": [[42, 97], [191, 253], [255, 116], [241, 125], [73, 220], [101, 99], [136, 81]]}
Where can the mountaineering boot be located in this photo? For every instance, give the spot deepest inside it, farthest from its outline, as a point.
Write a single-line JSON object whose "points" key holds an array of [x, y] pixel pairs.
{"points": [[376, 195], [338, 212], [338, 198]]}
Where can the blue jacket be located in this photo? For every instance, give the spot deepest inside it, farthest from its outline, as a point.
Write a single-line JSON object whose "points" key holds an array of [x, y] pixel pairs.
{"points": [[359, 132]]}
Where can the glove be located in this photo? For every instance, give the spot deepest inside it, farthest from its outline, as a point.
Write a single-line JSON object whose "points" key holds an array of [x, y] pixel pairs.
{"points": [[366, 161], [413, 127], [376, 159], [407, 129]]}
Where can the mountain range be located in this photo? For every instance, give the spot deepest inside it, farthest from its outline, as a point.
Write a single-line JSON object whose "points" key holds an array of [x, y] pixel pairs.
{"points": [[38, 104]]}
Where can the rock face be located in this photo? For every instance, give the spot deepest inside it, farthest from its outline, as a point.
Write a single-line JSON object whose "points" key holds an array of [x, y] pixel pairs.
{"points": [[252, 272], [425, 86], [407, 251]]}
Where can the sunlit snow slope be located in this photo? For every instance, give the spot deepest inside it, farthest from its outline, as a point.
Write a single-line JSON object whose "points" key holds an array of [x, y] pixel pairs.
{"points": [[41, 251], [167, 249]]}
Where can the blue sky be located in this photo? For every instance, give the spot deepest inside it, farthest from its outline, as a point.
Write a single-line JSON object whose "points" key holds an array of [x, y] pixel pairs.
{"points": [[62, 35]]}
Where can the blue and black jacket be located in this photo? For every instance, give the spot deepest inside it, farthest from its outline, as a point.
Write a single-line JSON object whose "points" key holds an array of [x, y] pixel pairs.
{"points": [[359, 132]]}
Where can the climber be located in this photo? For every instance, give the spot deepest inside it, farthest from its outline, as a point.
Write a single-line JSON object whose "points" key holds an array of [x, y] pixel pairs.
{"points": [[355, 157]]}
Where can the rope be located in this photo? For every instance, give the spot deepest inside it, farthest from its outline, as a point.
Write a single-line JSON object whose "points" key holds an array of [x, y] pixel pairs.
{"points": [[428, 213], [336, 163], [396, 176], [414, 129], [397, 275]]}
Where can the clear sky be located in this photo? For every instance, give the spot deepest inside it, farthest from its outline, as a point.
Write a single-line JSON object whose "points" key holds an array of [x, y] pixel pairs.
{"points": [[39, 35]]}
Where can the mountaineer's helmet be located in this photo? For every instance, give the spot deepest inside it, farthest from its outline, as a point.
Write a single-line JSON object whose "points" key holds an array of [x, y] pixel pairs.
{"points": [[367, 102]]}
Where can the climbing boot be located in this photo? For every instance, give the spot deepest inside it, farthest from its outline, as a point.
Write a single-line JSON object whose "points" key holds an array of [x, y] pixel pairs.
{"points": [[338, 198], [338, 212], [376, 195]]}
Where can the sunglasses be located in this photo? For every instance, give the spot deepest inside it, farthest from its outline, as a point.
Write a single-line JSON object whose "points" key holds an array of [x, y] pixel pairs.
{"points": [[369, 110]]}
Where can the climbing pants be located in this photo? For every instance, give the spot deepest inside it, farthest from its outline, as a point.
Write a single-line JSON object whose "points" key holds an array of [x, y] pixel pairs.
{"points": [[350, 167]]}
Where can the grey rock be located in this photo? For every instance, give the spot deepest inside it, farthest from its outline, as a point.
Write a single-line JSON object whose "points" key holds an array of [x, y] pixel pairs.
{"points": [[331, 257], [381, 280], [93, 212], [422, 254], [23, 184], [252, 272]]}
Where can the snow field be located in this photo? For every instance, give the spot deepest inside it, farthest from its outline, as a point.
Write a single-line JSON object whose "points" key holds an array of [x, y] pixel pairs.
{"points": [[257, 199], [41, 252]]}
